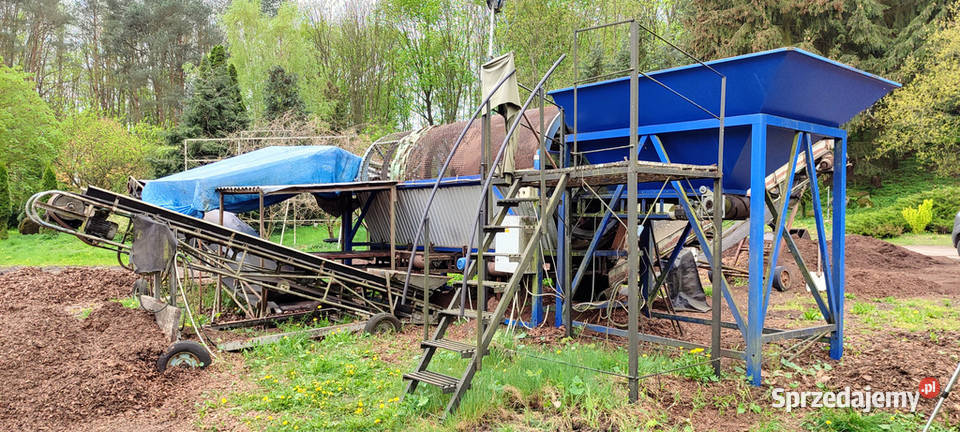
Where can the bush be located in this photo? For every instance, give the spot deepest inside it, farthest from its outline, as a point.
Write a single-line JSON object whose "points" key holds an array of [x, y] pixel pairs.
{"points": [[100, 151], [4, 202], [918, 218], [887, 221], [49, 181]]}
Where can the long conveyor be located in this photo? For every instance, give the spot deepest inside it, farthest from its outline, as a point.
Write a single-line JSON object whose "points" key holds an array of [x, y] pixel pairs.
{"points": [[252, 262]]}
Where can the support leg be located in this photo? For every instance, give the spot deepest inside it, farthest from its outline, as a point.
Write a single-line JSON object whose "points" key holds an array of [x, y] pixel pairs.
{"points": [[755, 256], [839, 246]]}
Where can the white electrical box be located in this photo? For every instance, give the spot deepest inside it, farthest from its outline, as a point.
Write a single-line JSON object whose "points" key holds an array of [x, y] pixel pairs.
{"points": [[511, 241]]}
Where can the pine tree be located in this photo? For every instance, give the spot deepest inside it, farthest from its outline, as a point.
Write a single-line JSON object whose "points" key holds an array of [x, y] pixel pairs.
{"points": [[49, 181], [215, 109], [4, 202], [282, 96]]}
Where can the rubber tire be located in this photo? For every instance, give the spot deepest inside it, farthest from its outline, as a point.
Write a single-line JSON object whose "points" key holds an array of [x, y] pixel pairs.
{"points": [[376, 324], [781, 279], [196, 349]]}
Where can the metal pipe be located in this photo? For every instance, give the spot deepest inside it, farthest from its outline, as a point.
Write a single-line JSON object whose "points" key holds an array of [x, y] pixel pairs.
{"points": [[426, 278], [633, 296], [716, 301]]}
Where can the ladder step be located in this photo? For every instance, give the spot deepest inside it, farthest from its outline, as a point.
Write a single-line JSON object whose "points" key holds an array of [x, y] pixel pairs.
{"points": [[498, 254], [496, 285], [446, 383], [513, 202], [464, 349], [500, 228], [467, 313]]}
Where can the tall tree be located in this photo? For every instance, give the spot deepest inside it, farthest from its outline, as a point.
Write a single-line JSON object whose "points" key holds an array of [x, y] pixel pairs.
{"points": [[357, 53], [440, 53], [875, 35], [214, 109], [150, 42], [282, 96], [923, 118], [258, 41], [28, 133]]}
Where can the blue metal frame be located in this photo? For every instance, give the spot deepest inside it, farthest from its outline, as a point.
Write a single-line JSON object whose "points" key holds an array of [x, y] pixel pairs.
{"points": [[760, 271]]}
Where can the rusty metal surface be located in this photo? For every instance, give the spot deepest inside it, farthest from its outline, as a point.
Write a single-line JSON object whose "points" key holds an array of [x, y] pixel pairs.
{"points": [[427, 155]]}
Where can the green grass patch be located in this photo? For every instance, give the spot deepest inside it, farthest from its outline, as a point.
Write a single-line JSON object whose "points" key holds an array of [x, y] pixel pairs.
{"points": [[128, 302], [316, 238], [848, 420], [51, 249], [343, 383], [925, 239], [911, 314]]}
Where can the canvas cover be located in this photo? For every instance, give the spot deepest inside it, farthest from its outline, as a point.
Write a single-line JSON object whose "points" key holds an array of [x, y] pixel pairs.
{"points": [[193, 192]]}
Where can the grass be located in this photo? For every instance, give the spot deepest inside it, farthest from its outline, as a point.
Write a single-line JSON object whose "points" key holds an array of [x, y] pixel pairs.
{"points": [[314, 238], [128, 302], [353, 382], [51, 249], [58, 249], [911, 314], [848, 420], [925, 239]]}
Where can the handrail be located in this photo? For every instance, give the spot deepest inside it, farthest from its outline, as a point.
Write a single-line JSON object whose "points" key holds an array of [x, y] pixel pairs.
{"points": [[487, 181], [436, 184]]}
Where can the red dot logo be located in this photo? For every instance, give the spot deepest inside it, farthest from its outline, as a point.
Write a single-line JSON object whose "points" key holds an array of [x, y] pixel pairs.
{"points": [[929, 387]]}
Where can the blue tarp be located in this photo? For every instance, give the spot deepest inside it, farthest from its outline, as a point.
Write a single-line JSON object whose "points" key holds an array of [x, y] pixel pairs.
{"points": [[193, 192]]}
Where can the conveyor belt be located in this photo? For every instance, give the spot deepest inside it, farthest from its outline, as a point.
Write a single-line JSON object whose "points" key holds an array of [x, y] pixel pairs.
{"points": [[246, 263], [226, 235]]}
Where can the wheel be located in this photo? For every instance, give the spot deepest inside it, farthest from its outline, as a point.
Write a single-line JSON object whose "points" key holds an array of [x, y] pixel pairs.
{"points": [[184, 354], [781, 279], [382, 323]]}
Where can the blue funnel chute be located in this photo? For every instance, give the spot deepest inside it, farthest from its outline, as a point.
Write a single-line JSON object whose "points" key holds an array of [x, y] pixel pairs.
{"points": [[789, 84]]}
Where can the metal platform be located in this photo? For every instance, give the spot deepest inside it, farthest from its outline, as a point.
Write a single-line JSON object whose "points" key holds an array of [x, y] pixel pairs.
{"points": [[615, 173]]}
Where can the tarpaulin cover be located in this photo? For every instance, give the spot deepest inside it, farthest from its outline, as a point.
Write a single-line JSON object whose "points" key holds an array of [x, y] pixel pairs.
{"points": [[193, 192]]}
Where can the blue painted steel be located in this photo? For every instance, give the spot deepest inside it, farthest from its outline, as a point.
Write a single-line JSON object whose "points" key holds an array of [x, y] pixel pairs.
{"points": [[788, 83], [363, 213], [755, 266], [821, 231], [839, 240]]}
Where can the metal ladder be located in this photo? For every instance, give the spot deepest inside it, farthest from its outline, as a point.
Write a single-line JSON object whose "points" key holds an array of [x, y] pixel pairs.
{"points": [[459, 386]]}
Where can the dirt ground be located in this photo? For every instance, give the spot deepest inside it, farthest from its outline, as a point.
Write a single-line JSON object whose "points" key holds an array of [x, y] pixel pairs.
{"points": [[72, 359], [63, 371]]}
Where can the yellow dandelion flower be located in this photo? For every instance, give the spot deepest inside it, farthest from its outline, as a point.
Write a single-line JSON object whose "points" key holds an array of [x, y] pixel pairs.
{"points": [[696, 350], [285, 422], [266, 399], [269, 417], [828, 422], [359, 403], [377, 421], [359, 411]]}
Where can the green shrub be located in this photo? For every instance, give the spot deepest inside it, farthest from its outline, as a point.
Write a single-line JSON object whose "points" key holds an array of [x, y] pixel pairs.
{"points": [[918, 218], [887, 220], [49, 181]]}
